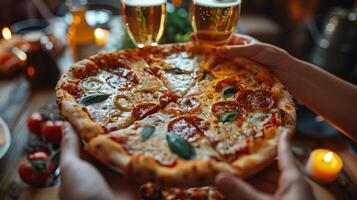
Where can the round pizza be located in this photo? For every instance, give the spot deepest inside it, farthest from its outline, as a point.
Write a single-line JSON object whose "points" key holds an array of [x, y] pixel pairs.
{"points": [[176, 114]]}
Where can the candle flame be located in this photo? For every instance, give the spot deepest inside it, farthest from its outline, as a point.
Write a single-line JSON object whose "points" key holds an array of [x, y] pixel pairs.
{"points": [[99, 33], [328, 157], [6, 33]]}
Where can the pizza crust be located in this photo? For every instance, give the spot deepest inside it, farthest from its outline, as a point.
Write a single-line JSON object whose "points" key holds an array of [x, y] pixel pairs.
{"points": [[143, 169]]}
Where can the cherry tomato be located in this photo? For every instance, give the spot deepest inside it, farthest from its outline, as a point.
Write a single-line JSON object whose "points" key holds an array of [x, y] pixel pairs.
{"points": [[39, 149], [34, 123], [37, 170], [52, 131]]}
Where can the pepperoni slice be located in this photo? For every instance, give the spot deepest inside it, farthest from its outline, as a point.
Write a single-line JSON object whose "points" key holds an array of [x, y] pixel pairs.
{"points": [[259, 100], [167, 98], [226, 82], [190, 104], [228, 106], [189, 127], [127, 74], [144, 109]]}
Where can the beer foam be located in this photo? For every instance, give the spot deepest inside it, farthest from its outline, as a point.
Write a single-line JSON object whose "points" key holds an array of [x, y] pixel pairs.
{"points": [[218, 3], [143, 2]]}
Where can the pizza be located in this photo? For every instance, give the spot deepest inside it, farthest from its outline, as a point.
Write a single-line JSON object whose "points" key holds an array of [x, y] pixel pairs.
{"points": [[176, 115]]}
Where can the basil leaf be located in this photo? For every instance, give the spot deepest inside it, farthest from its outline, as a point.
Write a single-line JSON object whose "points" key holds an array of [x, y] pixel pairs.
{"points": [[228, 91], [146, 132], [179, 146], [228, 117], [94, 98]]}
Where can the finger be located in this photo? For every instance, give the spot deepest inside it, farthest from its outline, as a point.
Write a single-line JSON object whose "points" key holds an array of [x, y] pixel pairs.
{"points": [[286, 157], [270, 174], [247, 51], [70, 146], [240, 39], [263, 185], [234, 188]]}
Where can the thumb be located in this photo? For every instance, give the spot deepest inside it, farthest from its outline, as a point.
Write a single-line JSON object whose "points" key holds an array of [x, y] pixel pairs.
{"points": [[235, 188], [247, 51], [70, 146]]}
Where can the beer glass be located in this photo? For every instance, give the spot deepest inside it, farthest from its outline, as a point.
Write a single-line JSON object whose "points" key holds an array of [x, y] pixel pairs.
{"points": [[144, 20], [215, 21]]}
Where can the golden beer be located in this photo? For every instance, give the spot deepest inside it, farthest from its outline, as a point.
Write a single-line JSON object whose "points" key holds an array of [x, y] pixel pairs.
{"points": [[145, 20], [214, 21]]}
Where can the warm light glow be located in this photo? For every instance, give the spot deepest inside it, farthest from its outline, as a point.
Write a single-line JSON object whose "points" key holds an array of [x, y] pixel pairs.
{"points": [[324, 165], [328, 157], [6, 33], [30, 71], [101, 36], [99, 33]]}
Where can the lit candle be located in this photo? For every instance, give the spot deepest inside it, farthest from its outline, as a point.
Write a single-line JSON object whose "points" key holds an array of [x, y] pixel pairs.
{"points": [[101, 36], [6, 33], [324, 165]]}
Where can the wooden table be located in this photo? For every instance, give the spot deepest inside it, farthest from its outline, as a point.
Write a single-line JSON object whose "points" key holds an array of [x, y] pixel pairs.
{"points": [[17, 101]]}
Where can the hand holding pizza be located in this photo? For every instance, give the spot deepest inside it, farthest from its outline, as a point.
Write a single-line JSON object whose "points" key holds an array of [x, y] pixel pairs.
{"points": [[290, 185], [79, 179], [304, 81]]}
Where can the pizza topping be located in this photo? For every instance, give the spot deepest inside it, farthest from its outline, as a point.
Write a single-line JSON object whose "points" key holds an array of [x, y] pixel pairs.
{"points": [[225, 83], [144, 109], [177, 70], [179, 146], [190, 104], [146, 132], [189, 127], [94, 98], [127, 74], [153, 69], [172, 108], [234, 155], [228, 117], [167, 98], [259, 100], [228, 91], [119, 83], [122, 102], [228, 106], [92, 84]]}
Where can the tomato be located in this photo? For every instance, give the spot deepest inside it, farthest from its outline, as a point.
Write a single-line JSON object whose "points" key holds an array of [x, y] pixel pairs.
{"points": [[39, 149], [52, 131], [37, 170], [34, 123]]}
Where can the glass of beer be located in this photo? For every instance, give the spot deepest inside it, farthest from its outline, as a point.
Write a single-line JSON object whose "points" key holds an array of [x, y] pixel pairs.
{"points": [[215, 21], [144, 20]]}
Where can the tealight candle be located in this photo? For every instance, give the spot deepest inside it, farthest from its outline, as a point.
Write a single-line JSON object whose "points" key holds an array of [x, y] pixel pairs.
{"points": [[324, 165], [101, 36]]}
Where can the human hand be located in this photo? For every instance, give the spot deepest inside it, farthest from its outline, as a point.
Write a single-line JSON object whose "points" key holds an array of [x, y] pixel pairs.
{"points": [[289, 185], [79, 179], [275, 58]]}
